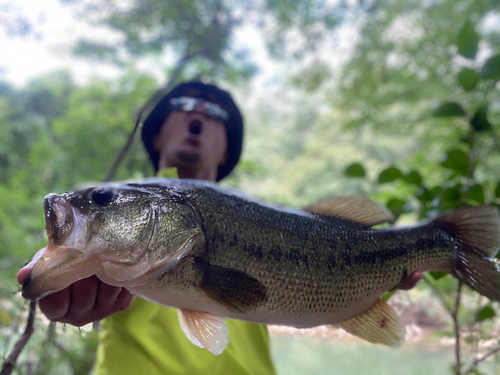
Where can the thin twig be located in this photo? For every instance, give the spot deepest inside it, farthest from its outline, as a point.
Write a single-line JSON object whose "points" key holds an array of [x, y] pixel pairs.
{"points": [[454, 315], [9, 363], [153, 100], [480, 359], [29, 364]]}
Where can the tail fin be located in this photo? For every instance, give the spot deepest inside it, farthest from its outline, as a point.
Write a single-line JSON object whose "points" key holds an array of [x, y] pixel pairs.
{"points": [[477, 231]]}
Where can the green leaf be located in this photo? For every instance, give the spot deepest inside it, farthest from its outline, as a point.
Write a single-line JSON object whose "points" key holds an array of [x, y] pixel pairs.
{"points": [[476, 193], [450, 198], [396, 206], [491, 68], [389, 175], [436, 275], [423, 194], [480, 120], [485, 313], [355, 170], [497, 191], [434, 191], [5, 317], [456, 160], [467, 78], [468, 40], [251, 167], [385, 297], [413, 178], [448, 109]]}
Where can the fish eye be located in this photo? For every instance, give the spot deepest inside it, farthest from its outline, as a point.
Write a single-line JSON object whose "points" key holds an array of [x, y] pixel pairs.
{"points": [[102, 197]]}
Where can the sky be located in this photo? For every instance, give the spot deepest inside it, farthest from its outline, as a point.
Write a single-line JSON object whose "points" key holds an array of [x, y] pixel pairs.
{"points": [[24, 58]]}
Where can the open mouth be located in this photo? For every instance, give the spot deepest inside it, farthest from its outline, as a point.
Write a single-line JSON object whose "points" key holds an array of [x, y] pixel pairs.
{"points": [[195, 127], [58, 219]]}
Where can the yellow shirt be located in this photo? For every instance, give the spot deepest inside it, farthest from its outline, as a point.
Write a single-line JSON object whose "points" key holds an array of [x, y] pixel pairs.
{"points": [[147, 339]]}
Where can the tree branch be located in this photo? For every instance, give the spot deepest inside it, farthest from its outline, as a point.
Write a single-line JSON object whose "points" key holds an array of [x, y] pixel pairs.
{"points": [[9, 363], [153, 100], [480, 359], [454, 316]]}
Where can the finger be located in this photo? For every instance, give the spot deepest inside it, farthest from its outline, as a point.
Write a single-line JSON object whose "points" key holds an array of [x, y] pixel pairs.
{"points": [[56, 305], [124, 300], [107, 297], [83, 299], [411, 281], [112, 299]]}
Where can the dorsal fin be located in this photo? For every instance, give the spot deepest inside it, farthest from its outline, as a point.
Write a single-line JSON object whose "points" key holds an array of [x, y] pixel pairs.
{"points": [[354, 208]]}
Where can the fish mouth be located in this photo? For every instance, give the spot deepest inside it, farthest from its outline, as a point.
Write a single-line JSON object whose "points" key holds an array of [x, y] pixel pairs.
{"points": [[56, 270], [64, 260], [58, 218]]}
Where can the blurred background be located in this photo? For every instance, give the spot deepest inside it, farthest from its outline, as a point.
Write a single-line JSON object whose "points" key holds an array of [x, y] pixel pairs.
{"points": [[395, 100]]}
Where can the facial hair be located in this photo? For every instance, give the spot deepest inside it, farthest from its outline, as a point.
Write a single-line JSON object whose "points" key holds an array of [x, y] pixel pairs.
{"points": [[188, 156]]}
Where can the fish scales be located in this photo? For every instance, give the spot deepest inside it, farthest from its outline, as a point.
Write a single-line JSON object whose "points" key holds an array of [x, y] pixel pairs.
{"points": [[214, 253], [327, 262]]}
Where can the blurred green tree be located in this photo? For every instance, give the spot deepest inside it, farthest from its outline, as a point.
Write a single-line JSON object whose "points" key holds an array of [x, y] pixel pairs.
{"points": [[461, 178], [201, 36]]}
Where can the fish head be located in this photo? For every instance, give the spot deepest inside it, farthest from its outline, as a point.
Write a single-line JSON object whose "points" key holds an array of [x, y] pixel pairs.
{"points": [[113, 231]]}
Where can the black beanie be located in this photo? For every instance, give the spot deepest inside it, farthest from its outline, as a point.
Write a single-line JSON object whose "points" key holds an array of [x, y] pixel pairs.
{"points": [[234, 125]]}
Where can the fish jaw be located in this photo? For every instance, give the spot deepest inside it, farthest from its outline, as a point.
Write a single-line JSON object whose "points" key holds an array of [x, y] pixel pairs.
{"points": [[57, 269], [64, 260]]}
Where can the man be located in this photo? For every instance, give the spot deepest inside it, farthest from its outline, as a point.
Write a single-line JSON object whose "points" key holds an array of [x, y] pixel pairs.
{"points": [[198, 130]]}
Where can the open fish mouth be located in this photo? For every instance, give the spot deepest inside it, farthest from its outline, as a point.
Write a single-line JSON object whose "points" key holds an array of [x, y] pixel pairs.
{"points": [[65, 224], [58, 218], [64, 260]]}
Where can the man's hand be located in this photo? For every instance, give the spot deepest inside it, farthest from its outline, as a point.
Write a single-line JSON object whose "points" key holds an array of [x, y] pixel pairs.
{"points": [[411, 281], [83, 302]]}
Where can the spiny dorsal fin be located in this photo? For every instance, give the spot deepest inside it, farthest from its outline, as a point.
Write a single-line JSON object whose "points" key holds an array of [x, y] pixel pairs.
{"points": [[354, 208], [379, 324], [204, 330]]}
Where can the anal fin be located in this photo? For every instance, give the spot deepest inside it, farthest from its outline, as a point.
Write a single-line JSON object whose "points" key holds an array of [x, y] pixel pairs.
{"points": [[204, 330], [379, 324]]}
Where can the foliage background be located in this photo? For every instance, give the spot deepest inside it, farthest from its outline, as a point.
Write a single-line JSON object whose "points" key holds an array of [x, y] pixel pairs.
{"points": [[370, 105]]}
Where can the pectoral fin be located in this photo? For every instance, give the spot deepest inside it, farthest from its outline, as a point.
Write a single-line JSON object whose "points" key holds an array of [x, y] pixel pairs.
{"points": [[380, 324], [236, 290], [204, 330]]}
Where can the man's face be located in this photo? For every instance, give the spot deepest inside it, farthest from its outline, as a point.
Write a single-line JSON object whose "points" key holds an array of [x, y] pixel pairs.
{"points": [[191, 140]]}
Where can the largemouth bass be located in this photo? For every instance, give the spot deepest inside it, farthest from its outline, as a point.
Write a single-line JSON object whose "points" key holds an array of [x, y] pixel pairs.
{"points": [[215, 254]]}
